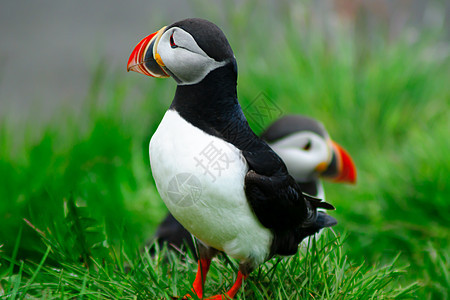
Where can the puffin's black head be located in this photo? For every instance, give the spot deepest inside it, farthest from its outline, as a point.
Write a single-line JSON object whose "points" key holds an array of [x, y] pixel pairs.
{"points": [[308, 151], [187, 50]]}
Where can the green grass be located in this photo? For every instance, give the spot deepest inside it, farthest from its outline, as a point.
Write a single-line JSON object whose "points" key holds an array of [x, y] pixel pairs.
{"points": [[320, 270], [77, 200]]}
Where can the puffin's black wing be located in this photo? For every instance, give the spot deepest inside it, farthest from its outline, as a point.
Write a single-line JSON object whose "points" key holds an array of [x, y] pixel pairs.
{"points": [[279, 204], [276, 204], [273, 194]]}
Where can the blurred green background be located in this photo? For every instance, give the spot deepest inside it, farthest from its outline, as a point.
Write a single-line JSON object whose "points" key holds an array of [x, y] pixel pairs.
{"points": [[75, 127]]}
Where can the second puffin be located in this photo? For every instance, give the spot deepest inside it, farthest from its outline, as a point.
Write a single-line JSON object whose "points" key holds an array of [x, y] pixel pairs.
{"points": [[243, 203]]}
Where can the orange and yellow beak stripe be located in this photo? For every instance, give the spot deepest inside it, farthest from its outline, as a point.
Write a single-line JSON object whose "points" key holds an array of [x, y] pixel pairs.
{"points": [[346, 167], [145, 59]]}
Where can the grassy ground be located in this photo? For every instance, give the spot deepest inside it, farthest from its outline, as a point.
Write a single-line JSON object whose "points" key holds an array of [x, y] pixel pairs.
{"points": [[78, 199]]}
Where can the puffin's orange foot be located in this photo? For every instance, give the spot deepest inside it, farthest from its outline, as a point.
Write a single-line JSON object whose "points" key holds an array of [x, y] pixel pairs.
{"points": [[189, 296], [197, 287], [215, 297], [233, 291], [219, 297]]}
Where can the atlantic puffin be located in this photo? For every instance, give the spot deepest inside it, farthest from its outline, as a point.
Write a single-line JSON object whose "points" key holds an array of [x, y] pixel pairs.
{"points": [[309, 153], [221, 181]]}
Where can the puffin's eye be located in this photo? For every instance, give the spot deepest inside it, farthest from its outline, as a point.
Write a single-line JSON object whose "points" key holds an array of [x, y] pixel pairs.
{"points": [[172, 42], [307, 145]]}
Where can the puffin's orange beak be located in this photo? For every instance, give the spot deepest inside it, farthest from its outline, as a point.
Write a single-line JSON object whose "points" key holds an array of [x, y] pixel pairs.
{"points": [[145, 59], [342, 168]]}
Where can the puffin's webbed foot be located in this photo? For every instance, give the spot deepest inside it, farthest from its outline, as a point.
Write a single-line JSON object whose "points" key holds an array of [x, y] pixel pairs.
{"points": [[234, 289], [206, 254], [200, 278]]}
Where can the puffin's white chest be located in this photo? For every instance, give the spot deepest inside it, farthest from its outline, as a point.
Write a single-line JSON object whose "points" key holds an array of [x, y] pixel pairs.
{"points": [[201, 180]]}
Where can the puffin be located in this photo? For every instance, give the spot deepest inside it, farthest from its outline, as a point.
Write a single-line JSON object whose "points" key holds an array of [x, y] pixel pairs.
{"points": [[221, 181], [309, 153]]}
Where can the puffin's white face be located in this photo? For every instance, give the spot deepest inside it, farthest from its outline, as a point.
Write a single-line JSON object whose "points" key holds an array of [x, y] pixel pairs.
{"points": [[181, 56], [306, 154]]}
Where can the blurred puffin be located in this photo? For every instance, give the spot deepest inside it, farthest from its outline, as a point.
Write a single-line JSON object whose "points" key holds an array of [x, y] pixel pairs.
{"points": [[250, 208], [309, 154]]}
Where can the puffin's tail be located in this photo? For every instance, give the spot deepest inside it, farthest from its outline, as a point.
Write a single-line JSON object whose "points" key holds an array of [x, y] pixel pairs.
{"points": [[317, 202], [286, 242], [317, 219]]}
